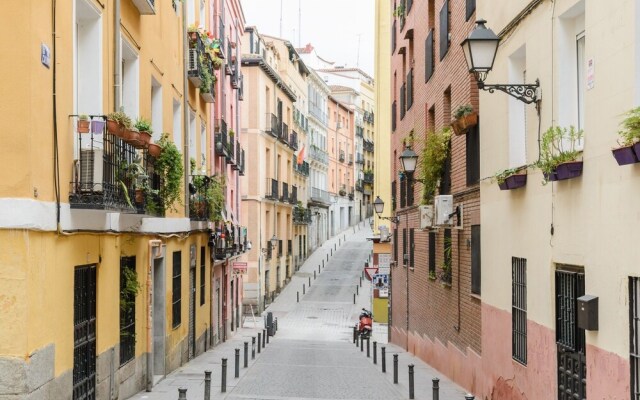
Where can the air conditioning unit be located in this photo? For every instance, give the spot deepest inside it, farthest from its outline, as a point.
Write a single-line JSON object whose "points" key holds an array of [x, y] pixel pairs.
{"points": [[91, 168], [426, 217], [443, 210]]}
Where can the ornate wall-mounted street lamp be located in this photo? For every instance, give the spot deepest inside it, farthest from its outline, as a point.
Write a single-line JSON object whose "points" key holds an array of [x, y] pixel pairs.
{"points": [[480, 49], [378, 206], [273, 243]]}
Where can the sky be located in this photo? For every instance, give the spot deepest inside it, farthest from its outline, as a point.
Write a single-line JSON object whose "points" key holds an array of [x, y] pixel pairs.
{"points": [[331, 26]]}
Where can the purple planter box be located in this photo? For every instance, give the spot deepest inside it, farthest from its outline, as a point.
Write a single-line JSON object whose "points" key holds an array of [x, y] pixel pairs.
{"points": [[503, 185], [636, 149], [625, 155], [516, 181], [97, 126], [552, 177], [569, 170]]}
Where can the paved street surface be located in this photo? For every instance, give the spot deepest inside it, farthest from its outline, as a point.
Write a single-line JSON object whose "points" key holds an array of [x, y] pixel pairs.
{"points": [[312, 355]]}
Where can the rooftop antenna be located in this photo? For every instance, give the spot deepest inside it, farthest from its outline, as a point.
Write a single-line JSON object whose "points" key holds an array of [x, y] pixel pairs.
{"points": [[280, 18], [358, 54]]}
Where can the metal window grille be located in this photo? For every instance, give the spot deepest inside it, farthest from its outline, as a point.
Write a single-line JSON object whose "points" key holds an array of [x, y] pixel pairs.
{"points": [[473, 156], [84, 333], [404, 247], [475, 259], [289, 247], [634, 332], [127, 312], [176, 300], [447, 247], [411, 248], [569, 286], [429, 56], [444, 29], [432, 253], [519, 309], [280, 248], [203, 279]]}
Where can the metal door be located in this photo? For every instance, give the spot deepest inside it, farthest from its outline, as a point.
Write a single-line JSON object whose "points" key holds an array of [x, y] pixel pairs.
{"points": [[192, 313], [84, 333], [572, 367]]}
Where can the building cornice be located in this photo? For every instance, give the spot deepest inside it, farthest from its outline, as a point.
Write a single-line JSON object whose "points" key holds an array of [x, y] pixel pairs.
{"points": [[258, 61]]}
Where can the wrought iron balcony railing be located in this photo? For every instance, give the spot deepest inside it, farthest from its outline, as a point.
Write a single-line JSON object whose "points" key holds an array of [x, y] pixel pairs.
{"points": [[320, 196], [341, 156], [222, 147], [272, 189], [199, 207], [318, 113], [302, 169], [293, 140], [319, 155], [242, 164], [359, 158], [273, 125], [368, 177], [367, 145], [231, 150], [293, 198], [284, 134], [284, 197], [221, 35], [301, 216], [350, 159]]}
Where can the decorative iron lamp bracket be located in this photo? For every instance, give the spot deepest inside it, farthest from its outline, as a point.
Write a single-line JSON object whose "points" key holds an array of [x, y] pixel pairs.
{"points": [[527, 93]]}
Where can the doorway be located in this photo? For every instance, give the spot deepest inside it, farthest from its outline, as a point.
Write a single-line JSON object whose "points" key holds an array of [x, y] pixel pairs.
{"points": [[233, 323], [192, 313], [84, 333], [158, 317]]}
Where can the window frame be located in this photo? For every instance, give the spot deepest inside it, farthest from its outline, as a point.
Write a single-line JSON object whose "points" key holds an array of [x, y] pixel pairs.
{"points": [[519, 310], [176, 297]]}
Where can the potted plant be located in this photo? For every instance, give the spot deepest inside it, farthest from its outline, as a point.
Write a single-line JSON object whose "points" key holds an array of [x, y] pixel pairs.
{"points": [[144, 127], [206, 86], [398, 12], [154, 150], [629, 152], [464, 118], [117, 122], [559, 154], [169, 168], [511, 178], [434, 154], [83, 123]]}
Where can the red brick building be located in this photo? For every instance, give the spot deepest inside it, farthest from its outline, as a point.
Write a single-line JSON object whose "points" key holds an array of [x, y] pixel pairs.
{"points": [[429, 81]]}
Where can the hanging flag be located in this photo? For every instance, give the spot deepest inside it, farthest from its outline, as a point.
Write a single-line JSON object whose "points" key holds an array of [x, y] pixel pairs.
{"points": [[301, 155]]}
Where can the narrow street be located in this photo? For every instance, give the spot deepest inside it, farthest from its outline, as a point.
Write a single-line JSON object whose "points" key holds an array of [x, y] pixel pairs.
{"points": [[312, 355]]}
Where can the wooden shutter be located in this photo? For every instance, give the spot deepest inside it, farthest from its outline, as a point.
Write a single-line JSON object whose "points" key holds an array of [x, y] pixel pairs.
{"points": [[444, 29], [473, 156], [429, 61], [475, 259]]}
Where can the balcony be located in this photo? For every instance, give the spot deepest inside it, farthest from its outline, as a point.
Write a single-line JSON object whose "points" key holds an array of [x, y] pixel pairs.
{"points": [[273, 125], [293, 140], [199, 206], [231, 149], [229, 66], [222, 145], [235, 77], [341, 157], [318, 113], [301, 216], [221, 36], [145, 7], [269, 254], [320, 196], [319, 155], [241, 88], [241, 169], [284, 134], [293, 198], [238, 158], [368, 177], [284, 197], [343, 190], [302, 169], [272, 189], [360, 185], [359, 158], [367, 145], [350, 159], [359, 131]]}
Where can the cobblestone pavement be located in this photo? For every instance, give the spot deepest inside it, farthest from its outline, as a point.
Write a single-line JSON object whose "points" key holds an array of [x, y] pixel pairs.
{"points": [[312, 355]]}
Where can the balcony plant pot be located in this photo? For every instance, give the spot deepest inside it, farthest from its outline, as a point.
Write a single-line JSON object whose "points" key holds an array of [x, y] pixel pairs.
{"points": [[569, 170], [636, 149], [503, 185], [139, 196], [462, 124], [83, 125], [154, 150], [516, 181], [132, 136], [625, 155], [97, 126], [114, 128], [145, 138]]}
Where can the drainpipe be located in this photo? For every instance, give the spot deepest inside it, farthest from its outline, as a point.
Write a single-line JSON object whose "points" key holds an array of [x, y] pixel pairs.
{"points": [[185, 106], [152, 244], [117, 57]]}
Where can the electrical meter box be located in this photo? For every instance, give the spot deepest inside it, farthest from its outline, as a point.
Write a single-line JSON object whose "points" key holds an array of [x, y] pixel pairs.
{"points": [[443, 209], [426, 217], [588, 312]]}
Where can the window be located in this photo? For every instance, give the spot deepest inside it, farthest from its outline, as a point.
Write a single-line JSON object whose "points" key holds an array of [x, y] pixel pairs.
{"points": [[177, 289], [404, 247], [444, 29], [192, 136], [634, 332], [519, 309], [411, 248], [156, 109], [403, 108], [473, 155], [177, 129], [403, 192], [475, 259], [395, 245], [88, 65], [432, 254], [203, 144], [410, 89], [128, 292], [191, 12], [471, 8], [447, 255], [429, 56], [517, 110], [203, 279], [581, 77], [130, 80]]}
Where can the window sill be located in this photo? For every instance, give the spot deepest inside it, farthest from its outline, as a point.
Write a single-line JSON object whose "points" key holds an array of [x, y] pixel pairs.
{"points": [[475, 296]]}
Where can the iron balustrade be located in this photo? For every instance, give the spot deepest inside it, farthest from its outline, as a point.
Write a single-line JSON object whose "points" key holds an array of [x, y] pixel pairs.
{"points": [[284, 134], [341, 157], [231, 150], [319, 155], [301, 216], [319, 195], [302, 169], [368, 177], [634, 335], [272, 189], [221, 35], [242, 164], [238, 158], [100, 178], [273, 125], [359, 158], [293, 140], [199, 207], [519, 309], [285, 192], [221, 138], [367, 145], [318, 113], [230, 64], [293, 199]]}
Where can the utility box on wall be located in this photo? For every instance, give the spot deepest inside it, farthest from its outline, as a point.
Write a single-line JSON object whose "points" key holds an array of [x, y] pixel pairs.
{"points": [[588, 312]]}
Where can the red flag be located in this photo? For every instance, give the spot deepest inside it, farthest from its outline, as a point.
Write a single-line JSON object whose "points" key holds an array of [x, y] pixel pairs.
{"points": [[301, 155]]}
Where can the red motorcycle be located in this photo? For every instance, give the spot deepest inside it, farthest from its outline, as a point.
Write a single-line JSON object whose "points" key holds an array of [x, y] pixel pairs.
{"points": [[365, 324]]}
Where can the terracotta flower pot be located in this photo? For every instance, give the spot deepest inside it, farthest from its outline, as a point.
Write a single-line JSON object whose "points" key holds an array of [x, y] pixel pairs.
{"points": [[83, 125], [145, 138], [132, 136], [139, 196], [154, 150], [461, 125], [115, 128]]}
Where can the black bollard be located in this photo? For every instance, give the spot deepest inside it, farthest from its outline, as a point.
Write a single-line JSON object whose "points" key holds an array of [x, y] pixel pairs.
{"points": [[304, 289], [322, 263], [237, 365], [223, 385], [357, 290], [318, 268], [395, 368], [276, 323], [246, 354], [384, 359], [361, 281], [469, 396], [264, 337], [298, 297], [331, 252], [182, 394], [314, 274], [268, 339], [253, 348], [309, 281], [361, 344], [411, 391], [436, 389], [327, 258], [207, 385], [354, 334], [368, 348], [335, 246], [354, 298], [259, 341], [375, 352]]}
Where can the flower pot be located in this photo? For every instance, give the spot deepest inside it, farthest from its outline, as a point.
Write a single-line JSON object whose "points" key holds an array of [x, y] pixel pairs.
{"points": [[503, 185], [97, 126], [462, 124], [552, 177], [516, 181], [115, 128], [625, 155], [569, 170], [83, 126], [154, 150], [145, 138], [132, 136], [139, 196], [636, 149]]}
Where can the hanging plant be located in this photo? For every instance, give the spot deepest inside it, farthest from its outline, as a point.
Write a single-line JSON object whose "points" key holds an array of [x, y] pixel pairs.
{"points": [[169, 167], [559, 154], [130, 289], [434, 154]]}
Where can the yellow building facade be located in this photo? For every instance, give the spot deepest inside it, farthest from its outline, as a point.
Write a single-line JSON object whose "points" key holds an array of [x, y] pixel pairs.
{"points": [[75, 235]]}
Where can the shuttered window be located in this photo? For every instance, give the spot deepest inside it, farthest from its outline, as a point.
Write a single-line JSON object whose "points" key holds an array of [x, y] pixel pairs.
{"points": [[403, 193], [176, 299], [444, 29], [519, 309], [429, 57], [393, 38], [403, 97], [410, 89], [432, 253], [473, 155], [393, 116], [404, 247], [475, 259], [471, 8], [411, 248]]}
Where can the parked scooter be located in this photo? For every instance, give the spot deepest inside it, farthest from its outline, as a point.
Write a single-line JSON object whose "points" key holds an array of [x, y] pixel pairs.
{"points": [[365, 324]]}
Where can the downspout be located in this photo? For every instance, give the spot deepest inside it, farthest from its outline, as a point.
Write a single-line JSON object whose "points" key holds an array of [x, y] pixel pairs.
{"points": [[185, 107], [152, 244]]}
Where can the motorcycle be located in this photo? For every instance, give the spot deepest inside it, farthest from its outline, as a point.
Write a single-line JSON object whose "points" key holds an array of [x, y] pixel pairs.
{"points": [[365, 323]]}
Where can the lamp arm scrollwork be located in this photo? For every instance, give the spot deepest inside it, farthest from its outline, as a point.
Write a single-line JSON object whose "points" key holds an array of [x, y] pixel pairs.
{"points": [[527, 93]]}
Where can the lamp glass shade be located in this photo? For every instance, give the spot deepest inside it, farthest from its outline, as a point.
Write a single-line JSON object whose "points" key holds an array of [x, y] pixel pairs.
{"points": [[409, 160], [378, 205], [480, 48], [274, 240]]}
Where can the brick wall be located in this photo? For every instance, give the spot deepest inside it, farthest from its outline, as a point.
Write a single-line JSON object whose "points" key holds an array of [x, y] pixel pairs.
{"points": [[447, 313]]}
